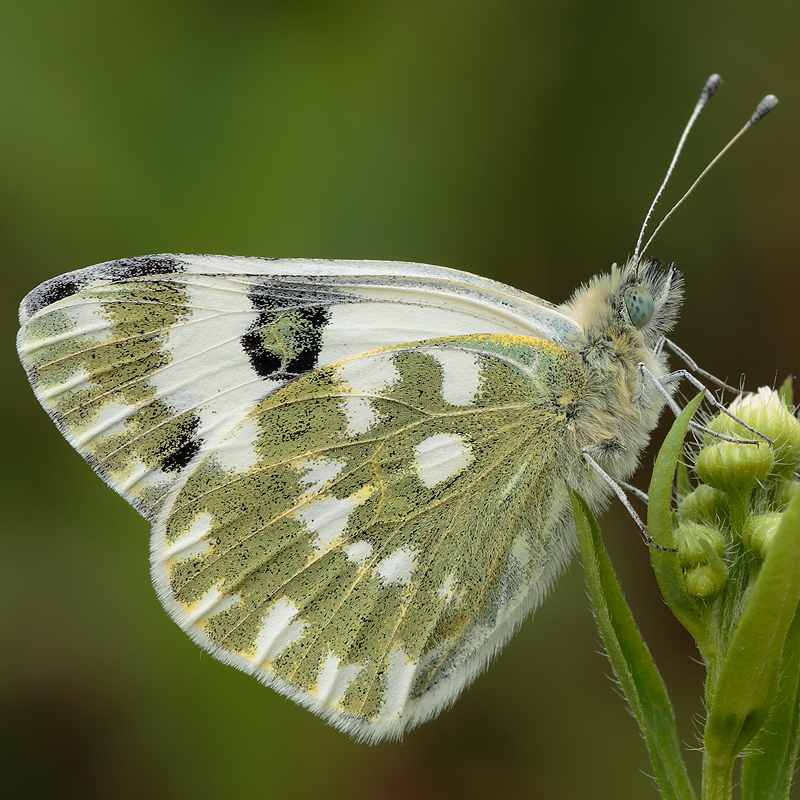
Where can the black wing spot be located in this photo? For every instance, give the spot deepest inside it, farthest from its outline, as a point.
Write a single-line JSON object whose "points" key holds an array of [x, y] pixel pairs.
{"points": [[186, 445], [315, 319], [262, 361], [142, 267], [51, 292], [286, 338]]}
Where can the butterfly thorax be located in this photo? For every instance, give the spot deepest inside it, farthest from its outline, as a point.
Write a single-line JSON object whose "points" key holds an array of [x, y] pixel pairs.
{"points": [[621, 405]]}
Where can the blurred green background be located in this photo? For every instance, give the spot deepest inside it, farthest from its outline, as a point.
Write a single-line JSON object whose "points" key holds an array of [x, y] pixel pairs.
{"points": [[519, 140]]}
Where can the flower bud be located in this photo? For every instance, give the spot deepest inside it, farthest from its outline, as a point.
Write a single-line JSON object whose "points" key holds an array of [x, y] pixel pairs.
{"points": [[704, 504], [690, 538], [767, 413], [700, 550], [759, 531], [730, 466], [703, 581]]}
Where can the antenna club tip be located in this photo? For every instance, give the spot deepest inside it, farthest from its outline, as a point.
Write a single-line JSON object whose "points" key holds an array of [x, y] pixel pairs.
{"points": [[764, 107], [711, 86]]}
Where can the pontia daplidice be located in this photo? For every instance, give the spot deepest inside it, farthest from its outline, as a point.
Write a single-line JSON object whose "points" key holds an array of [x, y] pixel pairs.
{"points": [[355, 471]]}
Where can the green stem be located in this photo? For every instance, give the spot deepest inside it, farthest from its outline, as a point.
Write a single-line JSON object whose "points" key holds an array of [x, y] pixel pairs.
{"points": [[717, 778], [738, 503]]}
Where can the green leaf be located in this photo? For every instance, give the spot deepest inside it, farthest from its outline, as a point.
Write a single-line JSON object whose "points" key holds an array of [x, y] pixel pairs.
{"points": [[631, 660], [768, 770], [748, 679], [682, 483], [666, 565], [785, 392]]}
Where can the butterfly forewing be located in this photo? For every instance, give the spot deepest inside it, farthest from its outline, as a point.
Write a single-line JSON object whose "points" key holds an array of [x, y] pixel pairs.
{"points": [[372, 531], [146, 363]]}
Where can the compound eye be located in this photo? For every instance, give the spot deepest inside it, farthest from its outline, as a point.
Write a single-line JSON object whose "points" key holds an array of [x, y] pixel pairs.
{"points": [[639, 303]]}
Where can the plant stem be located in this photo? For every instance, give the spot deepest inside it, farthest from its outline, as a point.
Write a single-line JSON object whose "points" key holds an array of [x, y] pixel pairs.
{"points": [[717, 776]]}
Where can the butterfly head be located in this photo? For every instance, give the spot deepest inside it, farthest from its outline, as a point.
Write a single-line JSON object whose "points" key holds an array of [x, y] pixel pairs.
{"points": [[642, 298]]}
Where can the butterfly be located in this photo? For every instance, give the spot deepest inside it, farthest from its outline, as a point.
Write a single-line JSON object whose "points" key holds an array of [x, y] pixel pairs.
{"points": [[356, 472]]}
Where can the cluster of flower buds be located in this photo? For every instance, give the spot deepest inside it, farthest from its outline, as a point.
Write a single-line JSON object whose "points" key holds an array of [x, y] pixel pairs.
{"points": [[743, 490]]}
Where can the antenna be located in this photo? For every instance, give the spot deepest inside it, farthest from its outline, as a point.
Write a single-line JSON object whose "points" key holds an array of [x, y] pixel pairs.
{"points": [[711, 86], [762, 109]]}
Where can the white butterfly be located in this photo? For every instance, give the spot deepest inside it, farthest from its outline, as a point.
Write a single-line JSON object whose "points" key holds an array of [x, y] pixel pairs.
{"points": [[355, 471]]}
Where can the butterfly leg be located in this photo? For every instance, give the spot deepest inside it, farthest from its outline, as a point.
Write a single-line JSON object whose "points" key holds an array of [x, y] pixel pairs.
{"points": [[682, 374], [619, 492], [694, 366], [635, 491]]}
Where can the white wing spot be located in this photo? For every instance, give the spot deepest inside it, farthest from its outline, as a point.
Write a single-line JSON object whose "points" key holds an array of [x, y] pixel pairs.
{"points": [[511, 485], [447, 590], [521, 551], [399, 677], [368, 374], [442, 456], [334, 679], [360, 414], [398, 567], [279, 629], [461, 374], [193, 541], [317, 473], [327, 517], [358, 552], [110, 420], [135, 477], [212, 602], [87, 321], [237, 451], [78, 381]]}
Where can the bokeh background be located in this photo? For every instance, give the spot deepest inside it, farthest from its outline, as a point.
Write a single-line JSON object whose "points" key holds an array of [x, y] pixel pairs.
{"points": [[519, 139]]}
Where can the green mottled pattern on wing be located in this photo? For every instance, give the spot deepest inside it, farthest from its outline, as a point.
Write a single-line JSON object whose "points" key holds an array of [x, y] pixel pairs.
{"points": [[91, 357], [392, 529], [127, 368]]}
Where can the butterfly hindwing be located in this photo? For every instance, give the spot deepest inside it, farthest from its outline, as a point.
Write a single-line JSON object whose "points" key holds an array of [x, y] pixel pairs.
{"points": [[373, 531]]}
